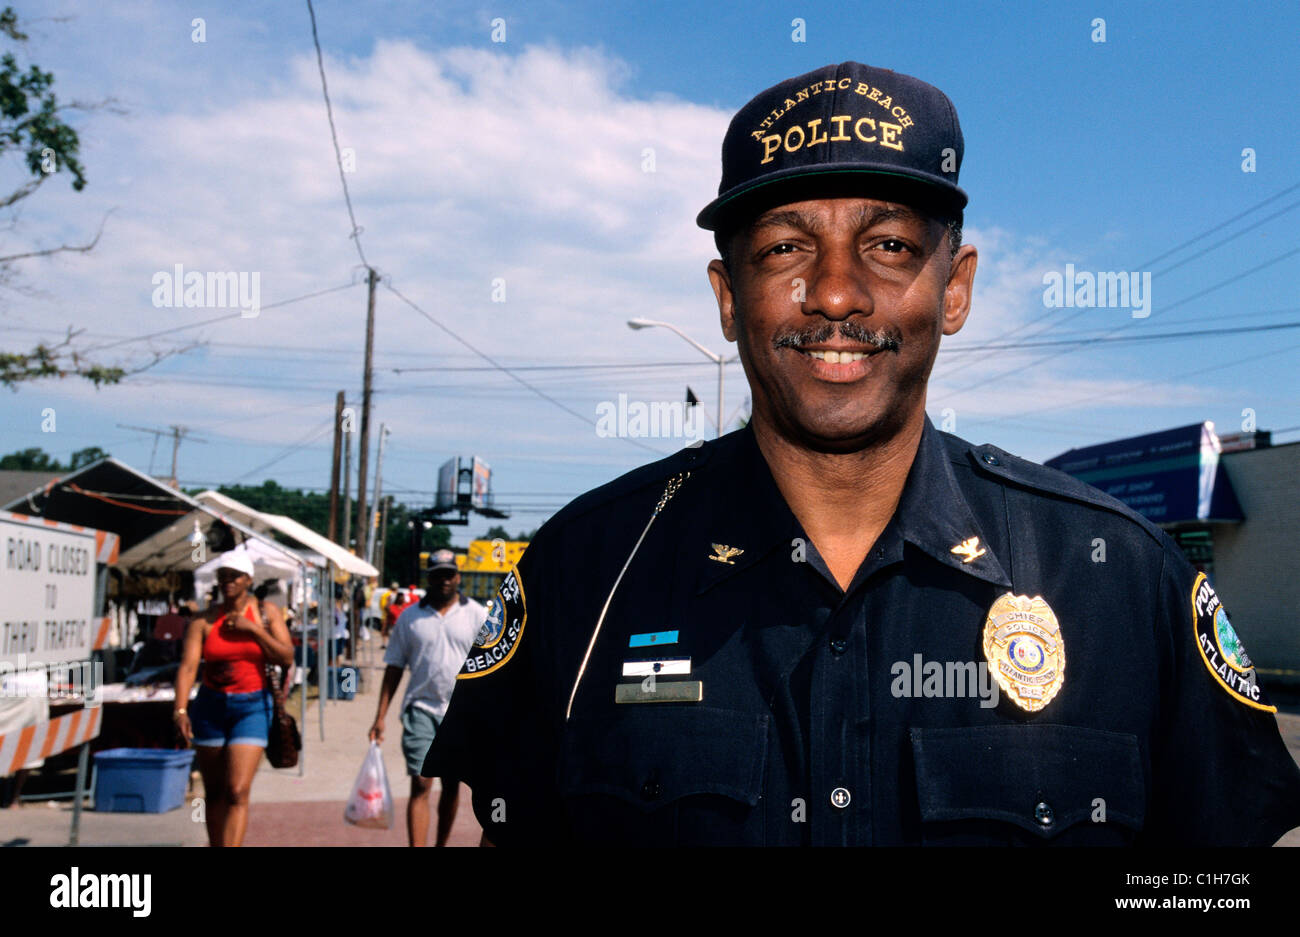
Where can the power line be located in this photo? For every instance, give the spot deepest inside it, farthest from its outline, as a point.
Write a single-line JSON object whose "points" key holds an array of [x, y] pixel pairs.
{"points": [[1219, 227], [338, 155], [1186, 299], [1130, 388], [510, 373], [309, 437], [221, 318], [1108, 338], [1045, 325], [1213, 247], [568, 367], [242, 418]]}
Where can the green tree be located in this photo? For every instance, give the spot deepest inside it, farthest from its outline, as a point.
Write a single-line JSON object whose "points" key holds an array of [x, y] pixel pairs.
{"points": [[86, 456], [32, 126], [38, 460], [311, 509], [404, 538], [30, 460]]}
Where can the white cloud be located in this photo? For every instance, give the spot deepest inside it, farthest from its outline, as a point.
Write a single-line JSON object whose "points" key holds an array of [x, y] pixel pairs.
{"points": [[471, 165]]}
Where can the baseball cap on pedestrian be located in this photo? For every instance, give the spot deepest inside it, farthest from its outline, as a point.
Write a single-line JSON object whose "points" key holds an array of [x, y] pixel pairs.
{"points": [[238, 560], [442, 559], [841, 130]]}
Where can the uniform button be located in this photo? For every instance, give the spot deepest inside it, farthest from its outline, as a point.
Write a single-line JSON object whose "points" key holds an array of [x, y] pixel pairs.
{"points": [[651, 790], [840, 797], [839, 646], [1043, 814], [990, 459]]}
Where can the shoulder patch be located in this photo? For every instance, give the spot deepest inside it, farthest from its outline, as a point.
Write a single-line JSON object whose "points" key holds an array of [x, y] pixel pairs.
{"points": [[497, 640], [1222, 650]]}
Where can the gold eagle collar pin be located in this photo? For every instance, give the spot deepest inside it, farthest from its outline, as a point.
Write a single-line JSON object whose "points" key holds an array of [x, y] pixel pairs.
{"points": [[969, 549], [723, 553]]}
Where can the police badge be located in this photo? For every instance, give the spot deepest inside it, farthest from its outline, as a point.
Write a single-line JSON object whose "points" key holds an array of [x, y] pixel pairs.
{"points": [[1023, 647]]}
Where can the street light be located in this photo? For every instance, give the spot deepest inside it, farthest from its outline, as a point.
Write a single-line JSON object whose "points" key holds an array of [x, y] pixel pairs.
{"points": [[711, 355]]}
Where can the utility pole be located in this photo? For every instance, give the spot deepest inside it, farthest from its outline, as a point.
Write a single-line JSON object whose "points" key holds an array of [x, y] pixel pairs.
{"points": [[363, 519], [379, 481], [347, 486], [383, 537], [334, 467], [177, 433]]}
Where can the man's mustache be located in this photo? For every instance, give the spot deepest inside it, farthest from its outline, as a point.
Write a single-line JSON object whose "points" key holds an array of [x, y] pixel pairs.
{"points": [[883, 339]]}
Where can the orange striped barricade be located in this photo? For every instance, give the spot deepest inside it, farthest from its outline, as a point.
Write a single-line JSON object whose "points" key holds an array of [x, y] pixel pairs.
{"points": [[50, 738]]}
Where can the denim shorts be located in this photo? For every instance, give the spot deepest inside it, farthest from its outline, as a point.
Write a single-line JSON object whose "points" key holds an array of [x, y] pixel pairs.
{"points": [[220, 719]]}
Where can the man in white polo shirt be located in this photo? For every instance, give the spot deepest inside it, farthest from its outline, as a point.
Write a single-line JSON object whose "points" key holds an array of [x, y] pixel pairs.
{"points": [[431, 639]]}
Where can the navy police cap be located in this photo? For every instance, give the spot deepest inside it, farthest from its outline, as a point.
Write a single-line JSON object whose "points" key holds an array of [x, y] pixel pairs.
{"points": [[846, 129]]}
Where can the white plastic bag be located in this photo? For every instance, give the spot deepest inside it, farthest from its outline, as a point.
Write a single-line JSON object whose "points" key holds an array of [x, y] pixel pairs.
{"points": [[371, 803]]}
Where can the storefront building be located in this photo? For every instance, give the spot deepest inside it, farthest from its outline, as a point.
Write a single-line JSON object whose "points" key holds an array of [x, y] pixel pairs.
{"points": [[1233, 505]]}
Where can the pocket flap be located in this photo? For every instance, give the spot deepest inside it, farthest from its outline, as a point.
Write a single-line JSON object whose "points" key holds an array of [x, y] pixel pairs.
{"points": [[652, 754], [1043, 778]]}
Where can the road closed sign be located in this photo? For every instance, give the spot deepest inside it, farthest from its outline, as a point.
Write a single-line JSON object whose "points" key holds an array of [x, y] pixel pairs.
{"points": [[48, 611]]}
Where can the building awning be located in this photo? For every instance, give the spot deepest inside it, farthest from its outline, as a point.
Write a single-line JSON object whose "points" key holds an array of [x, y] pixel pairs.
{"points": [[1169, 477], [155, 523], [344, 560], [291, 529]]}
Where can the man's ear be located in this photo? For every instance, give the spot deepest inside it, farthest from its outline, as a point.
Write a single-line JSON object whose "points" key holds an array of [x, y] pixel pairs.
{"points": [[720, 280], [957, 294]]}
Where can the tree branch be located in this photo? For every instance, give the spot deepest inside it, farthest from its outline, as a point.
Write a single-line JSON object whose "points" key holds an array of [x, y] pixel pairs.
{"points": [[22, 191], [76, 248]]}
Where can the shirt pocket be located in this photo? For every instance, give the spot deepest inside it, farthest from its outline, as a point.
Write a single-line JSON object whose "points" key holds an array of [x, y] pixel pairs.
{"points": [[1028, 785], [659, 774]]}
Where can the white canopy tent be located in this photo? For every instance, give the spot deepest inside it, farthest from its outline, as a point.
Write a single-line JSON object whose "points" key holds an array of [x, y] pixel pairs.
{"points": [[290, 529], [268, 563], [344, 560]]}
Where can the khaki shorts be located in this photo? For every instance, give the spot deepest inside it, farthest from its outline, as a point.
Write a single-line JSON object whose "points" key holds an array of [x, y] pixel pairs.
{"points": [[419, 726]]}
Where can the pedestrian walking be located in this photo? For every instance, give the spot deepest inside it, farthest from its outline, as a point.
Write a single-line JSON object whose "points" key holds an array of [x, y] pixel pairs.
{"points": [[430, 639]]}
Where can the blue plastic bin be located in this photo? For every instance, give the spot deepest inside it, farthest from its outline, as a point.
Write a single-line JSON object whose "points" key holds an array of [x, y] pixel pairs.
{"points": [[141, 780], [342, 683]]}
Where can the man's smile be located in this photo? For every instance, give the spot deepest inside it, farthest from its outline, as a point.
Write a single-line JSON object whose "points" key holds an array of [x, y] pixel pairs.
{"points": [[838, 365], [838, 353]]}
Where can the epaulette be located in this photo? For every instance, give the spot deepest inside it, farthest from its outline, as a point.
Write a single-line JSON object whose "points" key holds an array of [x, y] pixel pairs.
{"points": [[990, 460], [652, 475]]}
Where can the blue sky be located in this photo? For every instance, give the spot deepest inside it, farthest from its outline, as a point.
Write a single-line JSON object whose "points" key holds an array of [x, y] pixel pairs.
{"points": [[521, 161]]}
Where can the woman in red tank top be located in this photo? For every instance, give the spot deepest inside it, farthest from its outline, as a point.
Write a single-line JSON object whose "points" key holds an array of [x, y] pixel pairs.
{"points": [[232, 711]]}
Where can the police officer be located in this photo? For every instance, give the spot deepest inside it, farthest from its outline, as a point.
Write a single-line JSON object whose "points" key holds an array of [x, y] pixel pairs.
{"points": [[839, 625]]}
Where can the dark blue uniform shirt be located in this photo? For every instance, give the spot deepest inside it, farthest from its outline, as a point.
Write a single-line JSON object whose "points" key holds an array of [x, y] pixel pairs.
{"points": [[860, 716]]}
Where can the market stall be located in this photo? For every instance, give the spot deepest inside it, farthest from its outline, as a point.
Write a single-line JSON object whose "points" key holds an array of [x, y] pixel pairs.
{"points": [[165, 536]]}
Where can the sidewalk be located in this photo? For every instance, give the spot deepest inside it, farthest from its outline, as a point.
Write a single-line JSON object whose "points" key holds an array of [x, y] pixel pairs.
{"points": [[285, 809]]}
